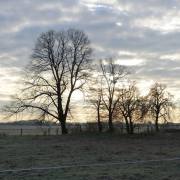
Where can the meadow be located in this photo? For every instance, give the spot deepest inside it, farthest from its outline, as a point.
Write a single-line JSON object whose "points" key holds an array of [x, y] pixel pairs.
{"points": [[91, 149]]}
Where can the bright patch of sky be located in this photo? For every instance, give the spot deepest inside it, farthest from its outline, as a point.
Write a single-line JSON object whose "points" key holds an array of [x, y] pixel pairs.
{"points": [[138, 33]]}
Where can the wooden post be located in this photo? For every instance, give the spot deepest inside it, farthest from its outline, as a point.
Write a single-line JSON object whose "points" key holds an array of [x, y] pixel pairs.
{"points": [[21, 131], [49, 130], [80, 128], [57, 131]]}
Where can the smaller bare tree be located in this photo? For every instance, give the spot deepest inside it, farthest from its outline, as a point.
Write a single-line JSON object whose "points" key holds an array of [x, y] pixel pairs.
{"points": [[132, 107], [160, 103], [112, 74], [95, 94]]}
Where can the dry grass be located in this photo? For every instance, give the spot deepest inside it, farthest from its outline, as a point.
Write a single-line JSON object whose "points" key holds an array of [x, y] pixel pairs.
{"points": [[40, 151]]}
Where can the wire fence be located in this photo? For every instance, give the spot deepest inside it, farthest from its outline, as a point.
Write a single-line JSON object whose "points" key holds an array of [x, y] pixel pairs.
{"points": [[76, 128], [29, 130]]}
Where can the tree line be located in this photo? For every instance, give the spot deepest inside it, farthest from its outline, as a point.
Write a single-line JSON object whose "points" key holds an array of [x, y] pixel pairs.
{"points": [[123, 102], [62, 63]]}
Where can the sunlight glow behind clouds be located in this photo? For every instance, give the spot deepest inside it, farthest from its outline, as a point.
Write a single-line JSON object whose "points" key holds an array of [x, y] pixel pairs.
{"points": [[138, 33], [130, 62], [166, 24]]}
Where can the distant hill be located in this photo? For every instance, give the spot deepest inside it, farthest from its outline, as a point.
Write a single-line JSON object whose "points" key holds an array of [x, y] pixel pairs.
{"points": [[30, 122]]}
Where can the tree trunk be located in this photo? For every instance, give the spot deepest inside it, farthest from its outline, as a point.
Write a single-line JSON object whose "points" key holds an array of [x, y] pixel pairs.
{"points": [[156, 124], [131, 127], [110, 123], [99, 122], [127, 126], [63, 126], [61, 115]]}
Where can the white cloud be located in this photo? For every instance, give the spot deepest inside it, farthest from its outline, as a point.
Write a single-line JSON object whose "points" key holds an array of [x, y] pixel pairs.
{"points": [[140, 33], [174, 56], [169, 22]]}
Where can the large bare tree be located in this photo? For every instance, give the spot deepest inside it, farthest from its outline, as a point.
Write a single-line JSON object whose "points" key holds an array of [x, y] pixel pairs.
{"points": [[160, 103], [59, 66]]}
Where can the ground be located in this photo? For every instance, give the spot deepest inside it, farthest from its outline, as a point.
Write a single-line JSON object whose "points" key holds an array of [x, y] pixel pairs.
{"points": [[43, 151]]}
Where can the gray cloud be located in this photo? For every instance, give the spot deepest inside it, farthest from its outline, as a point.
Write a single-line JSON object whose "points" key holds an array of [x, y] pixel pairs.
{"points": [[128, 30]]}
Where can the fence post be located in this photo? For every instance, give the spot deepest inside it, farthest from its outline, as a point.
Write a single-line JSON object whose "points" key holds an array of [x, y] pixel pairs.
{"points": [[49, 130], [21, 131], [57, 131], [138, 129], [80, 128]]}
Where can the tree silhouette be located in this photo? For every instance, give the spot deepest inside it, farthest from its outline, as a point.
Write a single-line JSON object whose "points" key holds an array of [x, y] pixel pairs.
{"points": [[160, 103], [95, 95], [59, 66], [112, 74], [132, 107]]}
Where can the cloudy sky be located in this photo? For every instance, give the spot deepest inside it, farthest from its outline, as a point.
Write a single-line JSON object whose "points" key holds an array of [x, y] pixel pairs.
{"points": [[141, 33]]}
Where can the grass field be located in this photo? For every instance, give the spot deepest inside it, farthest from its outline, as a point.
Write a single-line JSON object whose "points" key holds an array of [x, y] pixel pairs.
{"points": [[43, 151]]}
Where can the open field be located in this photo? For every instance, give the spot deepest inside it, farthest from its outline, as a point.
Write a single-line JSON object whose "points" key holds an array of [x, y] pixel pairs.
{"points": [[83, 149]]}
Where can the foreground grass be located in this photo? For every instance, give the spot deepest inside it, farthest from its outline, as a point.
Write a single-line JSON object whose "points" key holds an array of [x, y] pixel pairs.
{"points": [[43, 151]]}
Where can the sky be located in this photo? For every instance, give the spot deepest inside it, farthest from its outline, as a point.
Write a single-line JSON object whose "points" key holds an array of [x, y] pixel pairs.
{"points": [[144, 34]]}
